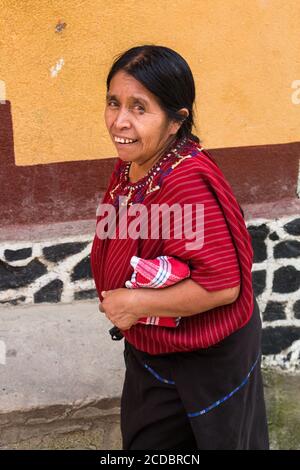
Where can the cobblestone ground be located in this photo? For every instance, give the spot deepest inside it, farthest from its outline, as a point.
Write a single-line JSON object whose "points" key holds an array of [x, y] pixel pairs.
{"points": [[282, 394], [283, 408]]}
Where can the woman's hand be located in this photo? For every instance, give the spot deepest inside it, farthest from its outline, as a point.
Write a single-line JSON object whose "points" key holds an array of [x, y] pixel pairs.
{"points": [[120, 307]]}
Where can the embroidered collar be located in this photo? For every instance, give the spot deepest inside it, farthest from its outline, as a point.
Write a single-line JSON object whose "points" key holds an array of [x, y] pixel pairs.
{"points": [[136, 192]]}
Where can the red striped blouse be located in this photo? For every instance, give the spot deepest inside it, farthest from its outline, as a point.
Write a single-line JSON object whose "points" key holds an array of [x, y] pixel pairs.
{"points": [[187, 174]]}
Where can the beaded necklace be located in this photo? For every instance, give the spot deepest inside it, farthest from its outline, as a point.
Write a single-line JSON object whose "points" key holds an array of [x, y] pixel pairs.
{"points": [[148, 179]]}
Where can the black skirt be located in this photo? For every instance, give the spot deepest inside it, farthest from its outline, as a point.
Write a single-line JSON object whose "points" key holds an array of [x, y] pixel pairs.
{"points": [[205, 399]]}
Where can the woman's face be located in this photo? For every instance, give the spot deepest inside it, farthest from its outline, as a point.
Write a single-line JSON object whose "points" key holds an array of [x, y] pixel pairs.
{"points": [[138, 126]]}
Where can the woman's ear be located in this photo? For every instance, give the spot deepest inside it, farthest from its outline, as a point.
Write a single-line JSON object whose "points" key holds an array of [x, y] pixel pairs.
{"points": [[184, 113]]}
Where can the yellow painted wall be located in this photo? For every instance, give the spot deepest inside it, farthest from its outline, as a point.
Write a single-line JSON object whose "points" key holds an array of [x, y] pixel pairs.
{"points": [[245, 56]]}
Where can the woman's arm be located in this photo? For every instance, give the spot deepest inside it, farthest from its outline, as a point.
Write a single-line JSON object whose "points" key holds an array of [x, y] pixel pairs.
{"points": [[124, 307], [183, 299]]}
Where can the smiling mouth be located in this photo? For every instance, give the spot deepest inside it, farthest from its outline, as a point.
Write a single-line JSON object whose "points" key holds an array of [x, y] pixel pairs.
{"points": [[123, 140]]}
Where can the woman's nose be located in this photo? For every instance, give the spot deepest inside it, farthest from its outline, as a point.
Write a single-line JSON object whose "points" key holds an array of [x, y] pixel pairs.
{"points": [[122, 119]]}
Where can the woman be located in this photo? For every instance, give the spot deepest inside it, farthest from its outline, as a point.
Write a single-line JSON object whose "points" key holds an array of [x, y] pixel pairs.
{"points": [[198, 385]]}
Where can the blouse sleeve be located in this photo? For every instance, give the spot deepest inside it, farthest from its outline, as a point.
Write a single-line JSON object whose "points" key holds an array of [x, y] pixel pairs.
{"points": [[211, 256]]}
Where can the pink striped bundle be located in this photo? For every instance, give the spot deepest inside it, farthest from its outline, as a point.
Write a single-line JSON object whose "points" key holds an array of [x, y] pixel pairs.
{"points": [[157, 273]]}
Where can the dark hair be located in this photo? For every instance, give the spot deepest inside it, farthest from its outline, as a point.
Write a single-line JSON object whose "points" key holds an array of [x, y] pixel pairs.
{"points": [[165, 74]]}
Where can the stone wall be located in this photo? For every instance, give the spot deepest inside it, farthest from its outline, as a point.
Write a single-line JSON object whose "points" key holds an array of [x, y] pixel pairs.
{"points": [[39, 272], [276, 280]]}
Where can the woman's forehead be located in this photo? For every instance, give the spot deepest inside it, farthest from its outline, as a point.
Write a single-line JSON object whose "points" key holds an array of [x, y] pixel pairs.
{"points": [[124, 84]]}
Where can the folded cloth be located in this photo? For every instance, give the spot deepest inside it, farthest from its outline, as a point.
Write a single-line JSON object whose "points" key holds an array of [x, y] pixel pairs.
{"points": [[157, 273]]}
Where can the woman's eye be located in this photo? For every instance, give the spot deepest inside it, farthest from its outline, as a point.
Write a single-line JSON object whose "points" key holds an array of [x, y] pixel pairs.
{"points": [[140, 108], [112, 104]]}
